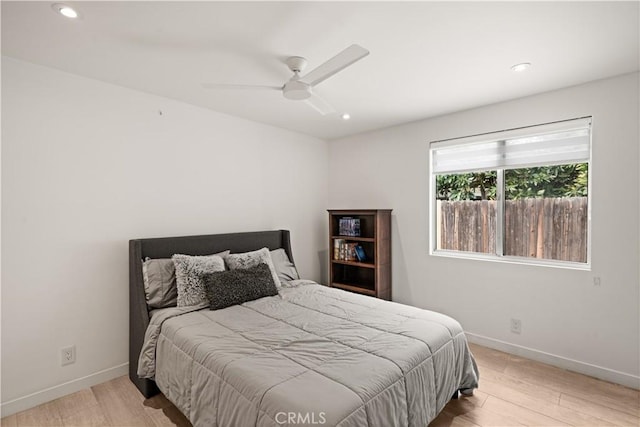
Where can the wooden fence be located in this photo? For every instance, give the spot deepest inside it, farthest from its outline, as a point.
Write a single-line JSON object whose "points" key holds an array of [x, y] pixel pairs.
{"points": [[549, 228]]}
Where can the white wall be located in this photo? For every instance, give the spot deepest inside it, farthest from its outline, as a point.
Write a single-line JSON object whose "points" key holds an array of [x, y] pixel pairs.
{"points": [[86, 166], [565, 318]]}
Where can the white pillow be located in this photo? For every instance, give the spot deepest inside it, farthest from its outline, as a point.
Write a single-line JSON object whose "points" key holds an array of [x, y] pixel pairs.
{"points": [[251, 259], [189, 271]]}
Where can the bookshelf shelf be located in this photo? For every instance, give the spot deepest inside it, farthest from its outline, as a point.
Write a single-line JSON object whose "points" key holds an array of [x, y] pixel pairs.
{"points": [[355, 238], [361, 263], [354, 263]]}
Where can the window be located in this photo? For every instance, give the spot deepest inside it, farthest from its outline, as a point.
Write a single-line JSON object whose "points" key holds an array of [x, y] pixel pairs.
{"points": [[521, 194]]}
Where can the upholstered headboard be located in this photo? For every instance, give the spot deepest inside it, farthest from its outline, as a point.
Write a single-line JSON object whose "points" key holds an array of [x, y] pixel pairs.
{"points": [[165, 247]]}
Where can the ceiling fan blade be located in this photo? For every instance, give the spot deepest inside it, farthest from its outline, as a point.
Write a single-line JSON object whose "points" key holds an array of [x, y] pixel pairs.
{"points": [[233, 86], [319, 104], [339, 62]]}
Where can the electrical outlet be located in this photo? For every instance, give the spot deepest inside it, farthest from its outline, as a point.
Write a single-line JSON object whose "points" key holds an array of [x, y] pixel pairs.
{"points": [[68, 355], [596, 281], [516, 326]]}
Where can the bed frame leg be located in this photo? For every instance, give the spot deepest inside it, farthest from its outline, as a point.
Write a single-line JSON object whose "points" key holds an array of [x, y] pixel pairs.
{"points": [[455, 395]]}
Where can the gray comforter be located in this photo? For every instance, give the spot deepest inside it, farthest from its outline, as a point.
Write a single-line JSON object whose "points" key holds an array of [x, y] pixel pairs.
{"points": [[312, 355]]}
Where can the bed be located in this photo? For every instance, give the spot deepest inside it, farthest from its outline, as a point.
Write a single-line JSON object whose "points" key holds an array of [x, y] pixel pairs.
{"points": [[309, 355]]}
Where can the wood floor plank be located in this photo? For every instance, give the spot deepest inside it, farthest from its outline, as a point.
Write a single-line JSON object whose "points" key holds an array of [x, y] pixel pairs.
{"points": [[119, 410], [573, 380], [10, 421], [168, 417], [514, 383], [478, 398], [630, 408], [594, 390], [460, 406], [523, 415], [446, 420], [44, 415], [89, 417], [158, 401], [541, 405], [600, 411], [489, 358], [74, 403], [484, 417]]}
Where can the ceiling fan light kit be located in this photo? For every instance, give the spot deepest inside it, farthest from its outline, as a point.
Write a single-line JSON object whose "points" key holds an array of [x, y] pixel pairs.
{"points": [[296, 90], [301, 88]]}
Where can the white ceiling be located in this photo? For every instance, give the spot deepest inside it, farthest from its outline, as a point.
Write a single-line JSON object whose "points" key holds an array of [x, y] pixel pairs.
{"points": [[427, 58]]}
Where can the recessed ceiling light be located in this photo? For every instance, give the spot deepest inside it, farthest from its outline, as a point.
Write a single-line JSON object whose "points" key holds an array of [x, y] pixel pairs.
{"points": [[65, 10], [346, 116], [521, 67]]}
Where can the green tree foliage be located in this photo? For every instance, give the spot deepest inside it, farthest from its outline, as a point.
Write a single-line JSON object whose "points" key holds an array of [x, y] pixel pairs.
{"points": [[543, 181], [467, 186]]}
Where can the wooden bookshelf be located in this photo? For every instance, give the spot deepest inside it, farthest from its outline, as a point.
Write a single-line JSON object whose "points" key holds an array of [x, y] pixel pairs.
{"points": [[371, 276]]}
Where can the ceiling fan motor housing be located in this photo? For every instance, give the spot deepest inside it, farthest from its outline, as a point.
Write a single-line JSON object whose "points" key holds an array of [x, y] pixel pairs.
{"points": [[296, 63]]}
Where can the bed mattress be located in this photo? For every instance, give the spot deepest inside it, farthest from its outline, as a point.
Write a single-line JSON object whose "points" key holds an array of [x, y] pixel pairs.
{"points": [[312, 355]]}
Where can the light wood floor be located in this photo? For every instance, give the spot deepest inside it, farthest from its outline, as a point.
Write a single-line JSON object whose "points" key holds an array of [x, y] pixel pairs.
{"points": [[513, 392]]}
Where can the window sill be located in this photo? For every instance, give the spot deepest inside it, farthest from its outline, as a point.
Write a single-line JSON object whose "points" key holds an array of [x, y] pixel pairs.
{"points": [[513, 260]]}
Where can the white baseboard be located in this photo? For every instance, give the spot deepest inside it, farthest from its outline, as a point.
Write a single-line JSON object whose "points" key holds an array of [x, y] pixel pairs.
{"points": [[34, 399], [606, 374]]}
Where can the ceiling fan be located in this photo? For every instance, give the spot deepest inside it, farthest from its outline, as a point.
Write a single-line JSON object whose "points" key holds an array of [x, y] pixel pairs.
{"points": [[301, 87]]}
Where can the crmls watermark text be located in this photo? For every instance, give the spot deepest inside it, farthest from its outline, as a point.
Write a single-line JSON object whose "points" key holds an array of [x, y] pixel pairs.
{"points": [[307, 418]]}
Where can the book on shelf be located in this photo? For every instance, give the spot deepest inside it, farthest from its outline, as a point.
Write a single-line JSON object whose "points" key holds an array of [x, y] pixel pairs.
{"points": [[349, 226], [360, 255], [343, 251], [337, 248], [351, 251]]}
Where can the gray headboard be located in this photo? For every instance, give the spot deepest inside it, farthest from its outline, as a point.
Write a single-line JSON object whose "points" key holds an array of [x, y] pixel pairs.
{"points": [[165, 247]]}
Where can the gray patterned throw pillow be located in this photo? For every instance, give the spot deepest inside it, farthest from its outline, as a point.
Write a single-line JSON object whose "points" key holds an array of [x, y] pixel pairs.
{"points": [[251, 259], [231, 287], [189, 271]]}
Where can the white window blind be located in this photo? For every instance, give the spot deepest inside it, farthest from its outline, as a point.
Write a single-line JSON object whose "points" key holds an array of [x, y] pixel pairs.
{"points": [[563, 142]]}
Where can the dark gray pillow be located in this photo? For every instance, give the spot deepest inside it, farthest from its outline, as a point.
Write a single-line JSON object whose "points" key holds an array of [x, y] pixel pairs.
{"points": [[251, 259], [231, 287]]}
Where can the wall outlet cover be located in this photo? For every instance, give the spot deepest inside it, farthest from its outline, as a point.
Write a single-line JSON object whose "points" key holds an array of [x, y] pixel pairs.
{"points": [[67, 355], [516, 326]]}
